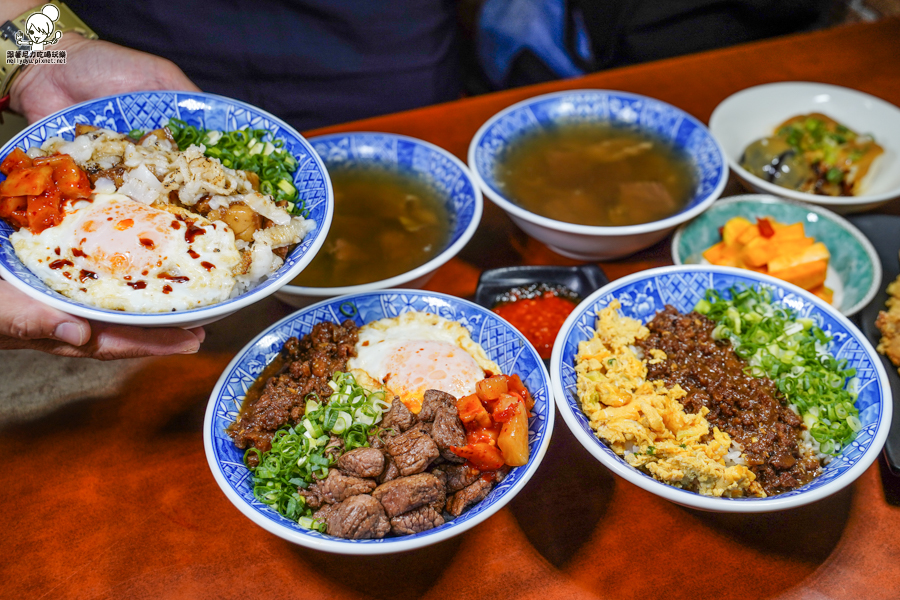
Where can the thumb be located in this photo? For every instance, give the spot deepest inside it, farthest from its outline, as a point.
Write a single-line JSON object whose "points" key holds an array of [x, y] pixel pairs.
{"points": [[24, 318]]}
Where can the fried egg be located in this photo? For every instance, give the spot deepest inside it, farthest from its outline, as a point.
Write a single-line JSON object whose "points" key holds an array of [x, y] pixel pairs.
{"points": [[119, 254], [416, 352]]}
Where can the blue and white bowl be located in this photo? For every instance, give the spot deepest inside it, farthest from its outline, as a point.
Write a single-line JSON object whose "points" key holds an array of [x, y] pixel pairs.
{"points": [[413, 158], [644, 294], [150, 110], [663, 121], [503, 344]]}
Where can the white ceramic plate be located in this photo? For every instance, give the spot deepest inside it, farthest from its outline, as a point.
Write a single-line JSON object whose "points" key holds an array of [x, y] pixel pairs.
{"points": [[751, 114]]}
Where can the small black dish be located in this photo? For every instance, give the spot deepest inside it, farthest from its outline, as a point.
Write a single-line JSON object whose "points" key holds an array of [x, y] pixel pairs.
{"points": [[583, 280], [882, 232], [493, 284]]}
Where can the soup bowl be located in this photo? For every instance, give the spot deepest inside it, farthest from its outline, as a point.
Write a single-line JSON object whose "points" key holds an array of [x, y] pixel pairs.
{"points": [[411, 158], [643, 294], [503, 344], [150, 110], [673, 126]]}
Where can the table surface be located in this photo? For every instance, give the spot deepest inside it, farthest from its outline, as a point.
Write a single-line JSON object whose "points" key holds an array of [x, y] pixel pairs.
{"points": [[112, 497]]}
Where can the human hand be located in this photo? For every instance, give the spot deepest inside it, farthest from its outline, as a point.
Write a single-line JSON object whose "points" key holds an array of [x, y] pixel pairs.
{"points": [[93, 68], [27, 324]]}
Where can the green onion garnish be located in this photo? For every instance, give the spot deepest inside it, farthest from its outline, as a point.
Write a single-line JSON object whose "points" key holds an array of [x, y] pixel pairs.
{"points": [[794, 353], [298, 450], [253, 150]]}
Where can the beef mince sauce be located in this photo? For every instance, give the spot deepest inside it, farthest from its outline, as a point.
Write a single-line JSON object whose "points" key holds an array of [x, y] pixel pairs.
{"points": [[277, 397], [750, 409], [407, 480]]}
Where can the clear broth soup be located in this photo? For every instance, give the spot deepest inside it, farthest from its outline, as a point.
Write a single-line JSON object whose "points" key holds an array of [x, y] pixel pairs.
{"points": [[597, 174], [385, 223]]}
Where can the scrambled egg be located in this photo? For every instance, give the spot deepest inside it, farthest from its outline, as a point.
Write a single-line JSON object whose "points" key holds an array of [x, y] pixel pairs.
{"points": [[644, 422]]}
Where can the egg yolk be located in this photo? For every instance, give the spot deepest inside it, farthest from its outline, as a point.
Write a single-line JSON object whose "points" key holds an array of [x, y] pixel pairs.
{"points": [[121, 237], [416, 366]]}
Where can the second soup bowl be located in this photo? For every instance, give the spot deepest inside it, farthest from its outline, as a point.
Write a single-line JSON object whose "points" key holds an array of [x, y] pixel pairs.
{"points": [[406, 158]]}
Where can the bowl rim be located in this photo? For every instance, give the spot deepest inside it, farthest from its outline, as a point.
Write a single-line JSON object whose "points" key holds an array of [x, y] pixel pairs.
{"points": [[749, 505], [194, 315], [594, 230], [848, 201], [823, 212], [422, 270], [389, 546]]}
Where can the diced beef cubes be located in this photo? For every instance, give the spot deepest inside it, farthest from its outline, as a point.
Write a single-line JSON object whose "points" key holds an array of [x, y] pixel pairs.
{"points": [[416, 521], [398, 417], [362, 462], [413, 451], [464, 498], [448, 431], [432, 400], [456, 477], [357, 518], [408, 493], [337, 487], [390, 470]]}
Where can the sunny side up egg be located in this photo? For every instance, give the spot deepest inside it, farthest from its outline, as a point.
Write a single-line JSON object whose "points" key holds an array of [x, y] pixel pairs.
{"points": [[415, 352], [119, 254]]}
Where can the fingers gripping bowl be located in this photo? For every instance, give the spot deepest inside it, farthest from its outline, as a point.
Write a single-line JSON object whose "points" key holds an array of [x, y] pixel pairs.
{"points": [[645, 294], [110, 119], [502, 344]]}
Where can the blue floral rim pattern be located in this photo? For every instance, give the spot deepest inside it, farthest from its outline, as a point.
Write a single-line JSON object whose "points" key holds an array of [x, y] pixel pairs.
{"points": [[426, 162], [644, 295], [150, 110], [503, 344]]}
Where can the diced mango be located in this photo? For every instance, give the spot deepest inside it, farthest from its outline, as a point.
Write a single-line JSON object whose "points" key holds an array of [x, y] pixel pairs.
{"points": [[722, 255], [812, 253], [825, 293], [787, 253], [733, 228], [808, 275], [748, 235], [789, 232], [796, 246], [714, 253], [760, 251]]}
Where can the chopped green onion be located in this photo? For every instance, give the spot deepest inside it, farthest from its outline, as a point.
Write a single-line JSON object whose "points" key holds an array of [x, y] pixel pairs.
{"points": [[298, 453], [793, 352]]}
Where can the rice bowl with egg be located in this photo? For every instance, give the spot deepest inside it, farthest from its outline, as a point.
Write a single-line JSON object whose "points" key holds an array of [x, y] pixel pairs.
{"points": [[243, 284]]}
